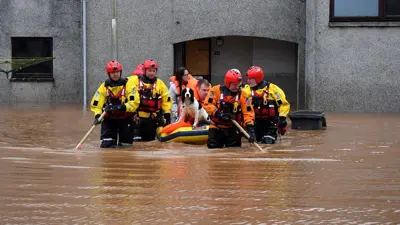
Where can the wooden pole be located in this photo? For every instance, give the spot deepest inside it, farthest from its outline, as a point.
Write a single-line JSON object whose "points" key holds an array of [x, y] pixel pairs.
{"points": [[79, 146], [247, 135]]}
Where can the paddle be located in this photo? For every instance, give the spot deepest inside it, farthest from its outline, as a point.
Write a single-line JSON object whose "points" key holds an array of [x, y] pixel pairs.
{"points": [[247, 135], [90, 131]]}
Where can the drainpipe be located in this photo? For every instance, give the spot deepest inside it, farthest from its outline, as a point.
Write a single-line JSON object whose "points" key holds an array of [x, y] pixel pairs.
{"points": [[84, 53], [114, 30]]}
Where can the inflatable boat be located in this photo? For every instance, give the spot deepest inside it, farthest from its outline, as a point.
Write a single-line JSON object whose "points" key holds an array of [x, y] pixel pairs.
{"points": [[186, 135]]}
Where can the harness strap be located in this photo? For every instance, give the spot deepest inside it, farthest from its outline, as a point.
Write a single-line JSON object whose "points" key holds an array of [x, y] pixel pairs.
{"points": [[235, 104]]}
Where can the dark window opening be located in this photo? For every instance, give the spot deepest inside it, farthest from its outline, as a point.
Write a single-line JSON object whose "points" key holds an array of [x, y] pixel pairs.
{"points": [[392, 8], [364, 10], [33, 48]]}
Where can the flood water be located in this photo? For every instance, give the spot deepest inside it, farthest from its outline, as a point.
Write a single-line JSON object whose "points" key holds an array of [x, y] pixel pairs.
{"points": [[346, 174]]}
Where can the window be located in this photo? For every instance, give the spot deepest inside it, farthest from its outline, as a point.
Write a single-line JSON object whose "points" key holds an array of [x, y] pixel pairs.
{"points": [[33, 48], [364, 10]]}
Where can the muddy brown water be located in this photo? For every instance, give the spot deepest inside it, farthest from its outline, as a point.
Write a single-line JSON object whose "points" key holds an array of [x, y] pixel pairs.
{"points": [[346, 174]]}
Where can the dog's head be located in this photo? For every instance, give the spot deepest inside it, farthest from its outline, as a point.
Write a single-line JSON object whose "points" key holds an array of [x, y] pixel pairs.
{"points": [[187, 95]]}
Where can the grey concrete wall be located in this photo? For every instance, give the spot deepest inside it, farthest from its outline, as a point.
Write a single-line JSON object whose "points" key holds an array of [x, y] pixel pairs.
{"points": [[236, 52], [99, 50], [301, 48], [148, 29], [44, 18], [351, 67]]}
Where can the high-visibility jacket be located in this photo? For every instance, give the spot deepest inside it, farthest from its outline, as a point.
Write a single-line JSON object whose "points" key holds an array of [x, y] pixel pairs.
{"points": [[154, 97], [238, 104], [122, 92], [269, 101]]}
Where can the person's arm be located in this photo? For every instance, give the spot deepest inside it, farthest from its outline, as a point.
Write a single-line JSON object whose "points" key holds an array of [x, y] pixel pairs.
{"points": [[132, 95], [173, 94], [210, 102], [247, 107], [98, 100], [248, 112], [166, 101], [280, 99]]}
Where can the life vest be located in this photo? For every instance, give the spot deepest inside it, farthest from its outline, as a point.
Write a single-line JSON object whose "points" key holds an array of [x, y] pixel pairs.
{"points": [[191, 83], [264, 108], [150, 100], [177, 86], [228, 105], [116, 99]]}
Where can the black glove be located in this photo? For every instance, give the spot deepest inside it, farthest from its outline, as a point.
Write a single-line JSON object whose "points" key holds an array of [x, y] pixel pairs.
{"points": [[167, 117], [115, 108], [122, 108], [136, 120], [282, 125], [252, 135], [224, 116], [96, 120], [282, 121]]}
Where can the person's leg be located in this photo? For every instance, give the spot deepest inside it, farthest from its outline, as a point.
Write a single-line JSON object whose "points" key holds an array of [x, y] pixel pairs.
{"points": [[136, 129], [232, 137], [108, 134], [271, 133], [148, 128], [125, 133], [215, 138], [260, 129]]}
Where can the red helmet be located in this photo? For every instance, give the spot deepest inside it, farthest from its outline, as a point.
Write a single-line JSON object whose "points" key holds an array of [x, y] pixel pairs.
{"points": [[113, 66], [139, 69], [256, 73], [150, 64], [232, 76]]}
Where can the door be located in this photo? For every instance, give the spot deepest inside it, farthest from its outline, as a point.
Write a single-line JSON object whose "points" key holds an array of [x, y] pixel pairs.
{"points": [[197, 58]]}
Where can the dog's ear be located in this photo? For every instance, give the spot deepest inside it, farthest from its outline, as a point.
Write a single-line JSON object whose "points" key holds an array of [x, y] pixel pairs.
{"points": [[191, 95], [183, 95]]}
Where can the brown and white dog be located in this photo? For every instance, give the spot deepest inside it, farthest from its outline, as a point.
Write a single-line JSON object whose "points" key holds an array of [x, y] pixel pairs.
{"points": [[191, 109]]}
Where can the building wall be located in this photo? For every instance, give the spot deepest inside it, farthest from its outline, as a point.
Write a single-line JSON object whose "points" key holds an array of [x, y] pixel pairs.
{"points": [[339, 67], [148, 29], [236, 52], [351, 67], [44, 18]]}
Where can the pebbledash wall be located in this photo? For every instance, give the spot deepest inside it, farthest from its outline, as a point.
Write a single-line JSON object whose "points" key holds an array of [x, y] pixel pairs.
{"points": [[58, 19], [320, 65], [351, 67]]}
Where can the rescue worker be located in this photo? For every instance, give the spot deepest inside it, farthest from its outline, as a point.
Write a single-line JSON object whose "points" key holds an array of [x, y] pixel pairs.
{"points": [[138, 70], [182, 79], [119, 98], [270, 106], [202, 89], [155, 102], [136, 120], [224, 103]]}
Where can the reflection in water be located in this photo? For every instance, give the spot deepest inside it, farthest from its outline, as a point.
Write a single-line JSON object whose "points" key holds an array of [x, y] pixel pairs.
{"points": [[347, 174]]}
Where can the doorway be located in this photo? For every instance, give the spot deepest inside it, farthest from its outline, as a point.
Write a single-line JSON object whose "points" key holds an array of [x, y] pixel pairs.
{"points": [[195, 56]]}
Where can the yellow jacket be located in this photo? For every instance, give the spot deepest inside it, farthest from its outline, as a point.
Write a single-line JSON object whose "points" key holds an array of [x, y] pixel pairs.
{"points": [[130, 97], [275, 94], [160, 88]]}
